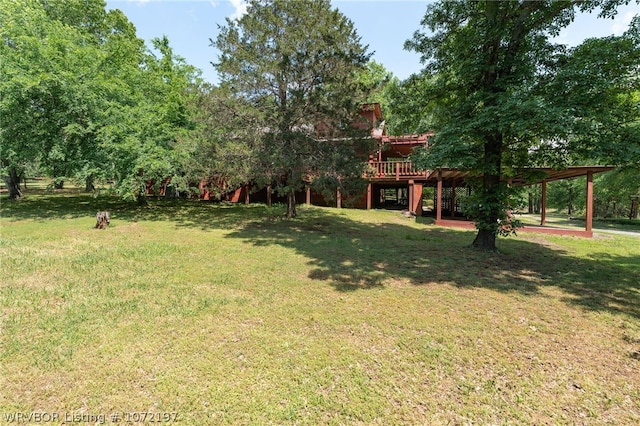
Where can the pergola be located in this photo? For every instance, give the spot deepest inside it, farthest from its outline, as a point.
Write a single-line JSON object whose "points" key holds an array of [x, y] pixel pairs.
{"points": [[524, 177]]}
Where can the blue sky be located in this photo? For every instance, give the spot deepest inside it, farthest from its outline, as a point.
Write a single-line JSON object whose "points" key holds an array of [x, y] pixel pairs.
{"points": [[384, 25]]}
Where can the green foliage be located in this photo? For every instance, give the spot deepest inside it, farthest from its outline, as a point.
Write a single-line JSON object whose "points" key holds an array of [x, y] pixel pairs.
{"points": [[147, 134], [409, 107], [47, 107], [505, 97], [224, 154], [481, 203], [595, 94], [375, 80], [295, 64], [82, 98]]}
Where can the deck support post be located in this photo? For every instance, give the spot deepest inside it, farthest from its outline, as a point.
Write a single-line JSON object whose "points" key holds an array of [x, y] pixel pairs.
{"points": [[410, 197], [369, 193], [307, 199], [589, 215], [439, 198], [415, 192], [543, 207]]}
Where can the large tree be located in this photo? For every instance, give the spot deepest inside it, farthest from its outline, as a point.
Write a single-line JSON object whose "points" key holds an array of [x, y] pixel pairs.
{"points": [[296, 64], [82, 97], [61, 62], [505, 96]]}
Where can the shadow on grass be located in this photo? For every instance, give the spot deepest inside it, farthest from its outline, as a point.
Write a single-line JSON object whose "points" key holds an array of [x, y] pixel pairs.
{"points": [[351, 255], [41, 205]]}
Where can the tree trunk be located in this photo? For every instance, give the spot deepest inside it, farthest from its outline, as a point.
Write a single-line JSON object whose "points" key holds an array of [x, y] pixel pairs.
{"points": [[88, 184], [291, 204], [485, 240], [491, 195], [142, 200], [12, 183]]}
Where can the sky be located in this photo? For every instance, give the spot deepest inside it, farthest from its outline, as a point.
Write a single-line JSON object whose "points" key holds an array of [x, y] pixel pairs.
{"points": [[383, 25]]}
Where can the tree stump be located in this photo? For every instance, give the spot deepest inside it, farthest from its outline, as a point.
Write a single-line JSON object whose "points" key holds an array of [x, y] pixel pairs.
{"points": [[102, 220]]}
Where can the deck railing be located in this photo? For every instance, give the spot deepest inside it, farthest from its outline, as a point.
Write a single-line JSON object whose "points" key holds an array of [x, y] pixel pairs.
{"points": [[395, 169]]}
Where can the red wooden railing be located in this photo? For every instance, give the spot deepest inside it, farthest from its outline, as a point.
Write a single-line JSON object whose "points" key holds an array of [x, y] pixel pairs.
{"points": [[395, 169]]}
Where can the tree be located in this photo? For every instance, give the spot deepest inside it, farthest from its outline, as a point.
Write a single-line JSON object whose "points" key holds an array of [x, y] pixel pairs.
{"points": [[402, 102], [375, 79], [147, 133], [81, 97], [494, 77], [296, 64], [56, 58], [225, 152], [409, 108]]}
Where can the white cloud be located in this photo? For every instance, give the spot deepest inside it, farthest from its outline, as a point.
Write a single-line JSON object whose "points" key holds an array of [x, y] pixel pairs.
{"points": [[240, 7]]}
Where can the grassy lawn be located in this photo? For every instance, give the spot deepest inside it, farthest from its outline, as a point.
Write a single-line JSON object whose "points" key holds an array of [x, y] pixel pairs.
{"points": [[228, 314]]}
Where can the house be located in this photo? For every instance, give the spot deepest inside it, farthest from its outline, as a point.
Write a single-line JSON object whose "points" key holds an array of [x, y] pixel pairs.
{"points": [[394, 182]]}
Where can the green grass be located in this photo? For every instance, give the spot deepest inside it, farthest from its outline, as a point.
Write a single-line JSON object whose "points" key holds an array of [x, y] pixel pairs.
{"points": [[229, 314]]}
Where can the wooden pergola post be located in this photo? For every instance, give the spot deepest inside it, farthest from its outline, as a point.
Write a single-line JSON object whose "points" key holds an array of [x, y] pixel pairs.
{"points": [[589, 216], [543, 207], [439, 197]]}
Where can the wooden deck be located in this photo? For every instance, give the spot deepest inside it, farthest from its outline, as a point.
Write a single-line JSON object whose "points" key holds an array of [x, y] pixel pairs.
{"points": [[396, 170]]}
